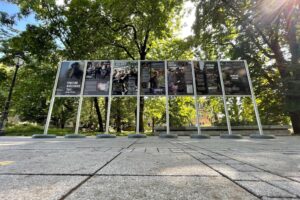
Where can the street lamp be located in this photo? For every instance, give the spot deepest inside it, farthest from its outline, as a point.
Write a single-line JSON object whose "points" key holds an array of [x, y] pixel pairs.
{"points": [[18, 62]]}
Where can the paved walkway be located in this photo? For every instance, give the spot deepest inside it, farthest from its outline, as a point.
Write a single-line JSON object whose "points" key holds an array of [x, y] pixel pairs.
{"points": [[149, 168]]}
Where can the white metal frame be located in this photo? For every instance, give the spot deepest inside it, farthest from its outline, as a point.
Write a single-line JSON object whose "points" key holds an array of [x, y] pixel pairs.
{"points": [[253, 100], [167, 98], [224, 99], [52, 100], [80, 99], [196, 99], [138, 100], [112, 64], [110, 96]]}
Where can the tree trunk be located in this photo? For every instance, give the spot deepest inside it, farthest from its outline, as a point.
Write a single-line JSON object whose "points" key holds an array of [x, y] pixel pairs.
{"points": [[142, 103], [106, 108], [118, 118], [142, 100], [153, 124], [294, 44], [99, 117], [62, 123]]}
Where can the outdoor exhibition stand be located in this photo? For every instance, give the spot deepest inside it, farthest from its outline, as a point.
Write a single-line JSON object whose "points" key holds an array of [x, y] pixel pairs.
{"points": [[104, 78]]}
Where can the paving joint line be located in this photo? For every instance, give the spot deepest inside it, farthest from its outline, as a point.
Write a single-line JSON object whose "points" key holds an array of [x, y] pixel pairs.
{"points": [[240, 162], [146, 175], [88, 178], [154, 175], [270, 172], [223, 175], [276, 186], [42, 174], [132, 143]]}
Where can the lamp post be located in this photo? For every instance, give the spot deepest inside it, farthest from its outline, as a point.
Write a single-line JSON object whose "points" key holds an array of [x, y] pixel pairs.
{"points": [[19, 62]]}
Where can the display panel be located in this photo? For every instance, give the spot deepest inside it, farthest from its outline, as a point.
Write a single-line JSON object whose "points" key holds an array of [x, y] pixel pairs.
{"points": [[97, 79], [180, 78], [207, 78], [153, 78], [70, 78], [235, 78], [125, 78]]}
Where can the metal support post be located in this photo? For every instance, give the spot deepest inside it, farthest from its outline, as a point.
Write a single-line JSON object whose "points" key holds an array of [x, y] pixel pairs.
{"points": [[52, 101], [80, 100], [229, 135], [195, 97], [167, 98], [261, 133], [109, 98], [138, 102]]}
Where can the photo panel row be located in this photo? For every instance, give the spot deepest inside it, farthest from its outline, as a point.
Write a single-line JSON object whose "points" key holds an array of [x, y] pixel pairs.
{"points": [[125, 74]]}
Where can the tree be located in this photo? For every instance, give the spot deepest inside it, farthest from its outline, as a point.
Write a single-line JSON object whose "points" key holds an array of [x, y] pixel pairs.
{"points": [[266, 33], [106, 28], [6, 26], [155, 111]]}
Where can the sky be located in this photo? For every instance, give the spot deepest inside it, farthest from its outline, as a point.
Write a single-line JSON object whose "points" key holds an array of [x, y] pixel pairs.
{"points": [[12, 9], [186, 29], [188, 19]]}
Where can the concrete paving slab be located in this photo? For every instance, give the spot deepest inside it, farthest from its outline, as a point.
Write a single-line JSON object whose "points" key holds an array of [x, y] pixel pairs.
{"points": [[36, 187], [162, 188], [268, 198], [151, 150], [161, 159], [53, 161], [229, 161], [157, 164], [200, 156], [232, 173], [244, 168], [264, 189], [295, 178], [291, 186], [265, 176], [211, 161]]}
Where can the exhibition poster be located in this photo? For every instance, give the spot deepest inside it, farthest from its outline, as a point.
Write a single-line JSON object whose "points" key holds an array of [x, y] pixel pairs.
{"points": [[70, 78], [180, 78], [97, 78], [125, 78], [235, 78], [153, 78], [207, 78]]}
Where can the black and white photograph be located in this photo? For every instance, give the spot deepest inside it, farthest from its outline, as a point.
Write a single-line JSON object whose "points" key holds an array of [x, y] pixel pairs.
{"points": [[235, 78], [153, 78], [207, 78], [125, 78], [180, 78], [97, 79], [70, 78]]}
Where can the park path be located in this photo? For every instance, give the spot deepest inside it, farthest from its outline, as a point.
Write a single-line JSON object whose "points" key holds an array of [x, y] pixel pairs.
{"points": [[150, 168]]}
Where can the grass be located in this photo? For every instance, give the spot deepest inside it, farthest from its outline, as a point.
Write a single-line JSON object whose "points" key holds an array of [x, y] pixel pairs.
{"points": [[31, 129]]}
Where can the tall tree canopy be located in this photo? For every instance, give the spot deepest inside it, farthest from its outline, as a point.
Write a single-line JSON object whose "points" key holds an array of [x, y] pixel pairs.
{"points": [[101, 29], [264, 32]]}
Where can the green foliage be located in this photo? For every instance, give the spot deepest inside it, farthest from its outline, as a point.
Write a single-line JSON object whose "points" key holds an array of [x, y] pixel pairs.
{"points": [[213, 109], [256, 31], [182, 111], [32, 92], [154, 112], [142, 29], [64, 112], [30, 129], [123, 113]]}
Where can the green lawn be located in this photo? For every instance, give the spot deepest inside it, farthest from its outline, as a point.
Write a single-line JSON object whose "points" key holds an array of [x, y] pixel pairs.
{"points": [[30, 129]]}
